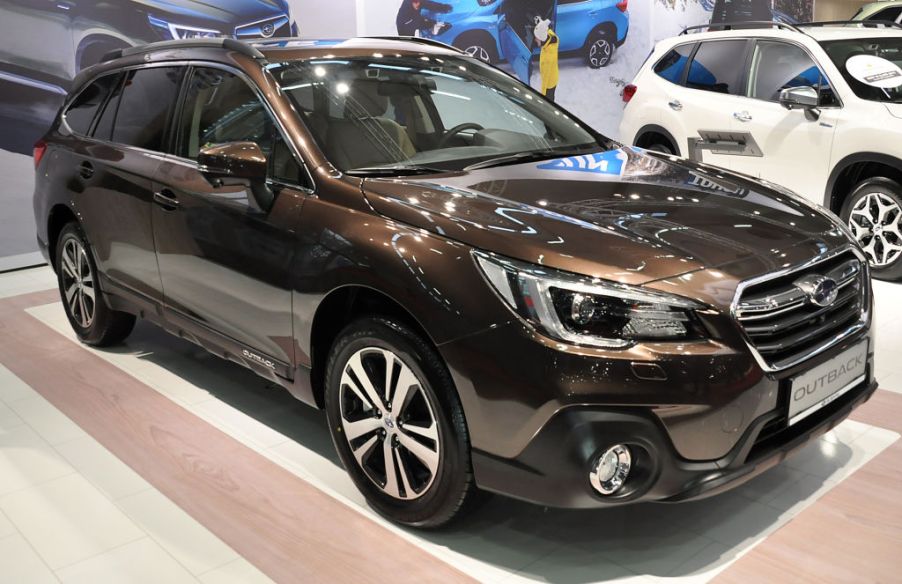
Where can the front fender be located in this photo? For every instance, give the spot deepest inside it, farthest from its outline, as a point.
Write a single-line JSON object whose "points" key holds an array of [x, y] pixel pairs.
{"points": [[433, 278]]}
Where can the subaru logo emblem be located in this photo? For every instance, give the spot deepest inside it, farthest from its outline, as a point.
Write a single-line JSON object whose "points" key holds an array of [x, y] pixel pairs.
{"points": [[268, 29], [820, 290]]}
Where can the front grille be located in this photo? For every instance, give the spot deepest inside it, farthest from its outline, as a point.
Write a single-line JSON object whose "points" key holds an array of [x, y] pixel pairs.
{"points": [[786, 327], [264, 29]]}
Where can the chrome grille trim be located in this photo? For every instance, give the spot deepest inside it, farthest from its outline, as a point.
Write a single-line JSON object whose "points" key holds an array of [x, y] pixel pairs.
{"points": [[746, 311]]}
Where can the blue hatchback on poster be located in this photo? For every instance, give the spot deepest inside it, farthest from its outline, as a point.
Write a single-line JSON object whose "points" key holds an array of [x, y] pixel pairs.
{"points": [[500, 30]]}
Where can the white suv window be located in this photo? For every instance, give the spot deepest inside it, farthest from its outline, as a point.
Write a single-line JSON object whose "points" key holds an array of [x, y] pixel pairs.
{"points": [[777, 66], [672, 65]]}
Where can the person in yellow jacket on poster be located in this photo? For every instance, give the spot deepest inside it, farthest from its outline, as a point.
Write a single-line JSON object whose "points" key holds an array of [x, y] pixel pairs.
{"points": [[548, 59]]}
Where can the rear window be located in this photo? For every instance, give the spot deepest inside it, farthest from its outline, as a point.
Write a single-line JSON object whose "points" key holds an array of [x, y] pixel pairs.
{"points": [[672, 65], [718, 67], [147, 100], [83, 109]]}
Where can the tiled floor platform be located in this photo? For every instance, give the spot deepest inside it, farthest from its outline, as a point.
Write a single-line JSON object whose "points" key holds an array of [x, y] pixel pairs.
{"points": [[156, 462]]}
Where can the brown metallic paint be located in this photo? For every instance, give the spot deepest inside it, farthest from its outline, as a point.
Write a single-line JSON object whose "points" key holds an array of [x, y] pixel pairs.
{"points": [[237, 279]]}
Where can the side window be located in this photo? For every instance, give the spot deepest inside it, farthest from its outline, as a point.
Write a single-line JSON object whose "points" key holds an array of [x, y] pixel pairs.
{"points": [[717, 67], [83, 109], [672, 65], [778, 66], [220, 107], [144, 109], [888, 14]]}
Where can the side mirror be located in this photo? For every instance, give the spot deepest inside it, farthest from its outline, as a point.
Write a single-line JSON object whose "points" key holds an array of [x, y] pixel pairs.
{"points": [[233, 160], [238, 163], [806, 98]]}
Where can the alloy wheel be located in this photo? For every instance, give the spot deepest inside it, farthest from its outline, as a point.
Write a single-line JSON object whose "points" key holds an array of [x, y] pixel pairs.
{"points": [[389, 423], [600, 53], [478, 52], [876, 222], [79, 290]]}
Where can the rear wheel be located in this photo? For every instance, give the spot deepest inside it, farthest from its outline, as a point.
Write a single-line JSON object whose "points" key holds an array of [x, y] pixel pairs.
{"points": [[600, 49], [397, 423], [93, 321], [874, 214]]}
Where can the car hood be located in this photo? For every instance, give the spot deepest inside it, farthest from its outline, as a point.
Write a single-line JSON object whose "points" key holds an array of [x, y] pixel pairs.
{"points": [[623, 215], [230, 12]]}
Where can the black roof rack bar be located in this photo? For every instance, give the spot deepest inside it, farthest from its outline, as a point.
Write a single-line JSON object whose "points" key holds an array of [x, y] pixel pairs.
{"points": [[714, 26], [422, 41], [862, 23], [215, 43]]}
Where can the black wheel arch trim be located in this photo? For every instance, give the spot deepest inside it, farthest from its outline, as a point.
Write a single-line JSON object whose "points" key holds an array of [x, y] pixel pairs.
{"points": [[830, 200], [655, 128]]}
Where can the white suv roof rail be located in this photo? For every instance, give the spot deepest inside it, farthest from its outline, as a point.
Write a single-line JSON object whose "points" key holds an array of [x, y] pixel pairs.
{"points": [[739, 25]]}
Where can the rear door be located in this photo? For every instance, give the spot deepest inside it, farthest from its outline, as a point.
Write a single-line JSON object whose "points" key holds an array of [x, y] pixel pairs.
{"points": [[795, 149], [702, 108], [225, 255], [114, 177]]}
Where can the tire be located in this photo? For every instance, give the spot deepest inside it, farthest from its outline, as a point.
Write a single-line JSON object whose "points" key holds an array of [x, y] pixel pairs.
{"points": [[661, 147], [429, 494], [877, 202], [480, 46], [93, 321], [599, 49]]}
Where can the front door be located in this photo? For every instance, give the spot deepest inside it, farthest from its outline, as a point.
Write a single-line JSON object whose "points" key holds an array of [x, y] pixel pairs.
{"points": [[516, 26], [224, 251], [795, 147]]}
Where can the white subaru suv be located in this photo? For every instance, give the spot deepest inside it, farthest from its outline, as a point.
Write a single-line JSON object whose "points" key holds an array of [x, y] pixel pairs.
{"points": [[815, 108]]}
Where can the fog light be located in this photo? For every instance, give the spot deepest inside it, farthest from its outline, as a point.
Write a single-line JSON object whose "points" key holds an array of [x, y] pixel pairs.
{"points": [[611, 469]]}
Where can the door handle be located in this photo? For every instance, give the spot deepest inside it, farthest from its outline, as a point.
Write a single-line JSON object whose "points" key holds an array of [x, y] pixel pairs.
{"points": [[742, 116], [676, 105], [166, 199], [86, 170]]}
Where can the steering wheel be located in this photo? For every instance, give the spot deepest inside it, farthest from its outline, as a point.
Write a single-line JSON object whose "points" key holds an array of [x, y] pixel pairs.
{"points": [[457, 130]]}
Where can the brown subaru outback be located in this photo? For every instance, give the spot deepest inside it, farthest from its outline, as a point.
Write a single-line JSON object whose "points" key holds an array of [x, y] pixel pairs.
{"points": [[481, 291]]}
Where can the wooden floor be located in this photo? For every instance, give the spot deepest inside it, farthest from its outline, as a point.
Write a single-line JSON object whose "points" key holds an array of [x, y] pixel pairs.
{"points": [[294, 532], [290, 530], [853, 533]]}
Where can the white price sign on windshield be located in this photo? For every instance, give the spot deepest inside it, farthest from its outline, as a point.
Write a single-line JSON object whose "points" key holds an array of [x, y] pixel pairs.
{"points": [[875, 71]]}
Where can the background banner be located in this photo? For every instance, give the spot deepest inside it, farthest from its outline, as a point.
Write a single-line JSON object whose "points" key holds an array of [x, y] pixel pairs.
{"points": [[579, 52]]}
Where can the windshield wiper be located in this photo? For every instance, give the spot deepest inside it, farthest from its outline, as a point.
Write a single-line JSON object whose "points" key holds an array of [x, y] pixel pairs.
{"points": [[530, 155], [397, 170]]}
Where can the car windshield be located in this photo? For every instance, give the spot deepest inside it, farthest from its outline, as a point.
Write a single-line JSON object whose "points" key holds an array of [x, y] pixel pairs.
{"points": [[876, 77], [418, 114]]}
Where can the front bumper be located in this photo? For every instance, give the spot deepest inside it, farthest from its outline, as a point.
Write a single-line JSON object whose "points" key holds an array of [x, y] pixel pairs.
{"points": [[554, 469], [539, 413]]}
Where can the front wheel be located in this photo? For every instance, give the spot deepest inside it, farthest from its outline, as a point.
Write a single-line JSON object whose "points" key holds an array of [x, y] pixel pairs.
{"points": [[874, 214], [599, 50], [397, 423]]}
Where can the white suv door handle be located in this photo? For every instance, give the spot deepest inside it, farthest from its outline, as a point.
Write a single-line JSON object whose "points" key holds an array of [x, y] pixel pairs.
{"points": [[675, 105], [743, 116]]}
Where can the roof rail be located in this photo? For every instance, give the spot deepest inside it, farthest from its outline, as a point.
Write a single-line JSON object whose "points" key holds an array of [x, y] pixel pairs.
{"points": [[215, 43], [861, 23], [739, 25], [422, 41]]}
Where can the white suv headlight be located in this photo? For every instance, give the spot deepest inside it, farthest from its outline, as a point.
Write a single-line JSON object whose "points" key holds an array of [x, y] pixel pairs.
{"points": [[589, 311]]}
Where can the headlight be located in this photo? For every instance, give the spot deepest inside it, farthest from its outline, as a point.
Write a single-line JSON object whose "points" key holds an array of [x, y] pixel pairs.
{"points": [[182, 31], [589, 311], [486, 2]]}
